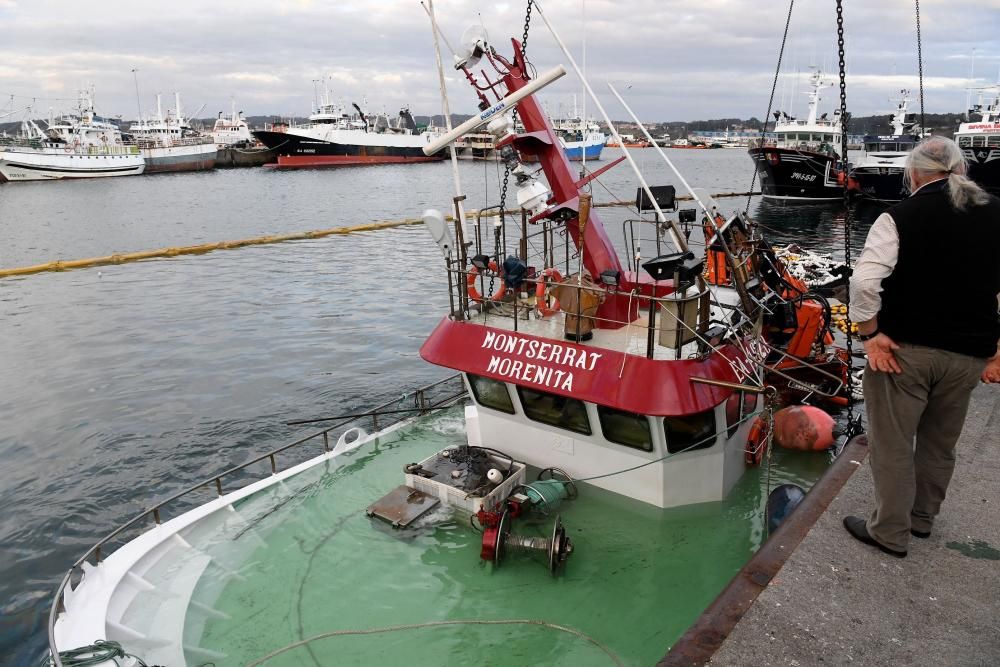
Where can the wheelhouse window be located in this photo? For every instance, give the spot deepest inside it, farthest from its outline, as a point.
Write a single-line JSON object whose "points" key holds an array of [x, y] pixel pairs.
{"points": [[965, 141], [739, 405], [625, 428], [491, 393], [567, 413], [690, 432], [979, 141], [993, 140]]}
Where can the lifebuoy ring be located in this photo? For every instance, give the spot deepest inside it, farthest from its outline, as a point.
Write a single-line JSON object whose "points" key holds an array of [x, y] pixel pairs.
{"points": [[757, 439], [470, 283], [540, 293]]}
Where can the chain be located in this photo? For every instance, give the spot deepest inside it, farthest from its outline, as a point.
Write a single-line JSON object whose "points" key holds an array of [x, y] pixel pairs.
{"points": [[769, 444], [770, 101], [920, 67], [848, 214], [513, 116], [527, 25]]}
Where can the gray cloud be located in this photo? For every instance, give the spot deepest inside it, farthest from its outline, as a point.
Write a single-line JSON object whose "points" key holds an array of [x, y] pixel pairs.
{"points": [[683, 60]]}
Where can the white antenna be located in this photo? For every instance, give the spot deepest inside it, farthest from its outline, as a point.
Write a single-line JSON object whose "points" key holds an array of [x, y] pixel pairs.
{"points": [[584, 130], [447, 117]]}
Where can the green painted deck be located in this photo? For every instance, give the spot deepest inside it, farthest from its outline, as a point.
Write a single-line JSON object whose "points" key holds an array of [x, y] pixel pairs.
{"points": [[308, 561]]}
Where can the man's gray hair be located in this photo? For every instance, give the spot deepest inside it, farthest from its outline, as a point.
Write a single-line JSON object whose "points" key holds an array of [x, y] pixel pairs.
{"points": [[941, 156]]}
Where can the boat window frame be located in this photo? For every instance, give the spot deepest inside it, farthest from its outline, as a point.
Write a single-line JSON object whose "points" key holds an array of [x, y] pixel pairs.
{"points": [[603, 410], [964, 141], [686, 446], [993, 141], [478, 399], [531, 413]]}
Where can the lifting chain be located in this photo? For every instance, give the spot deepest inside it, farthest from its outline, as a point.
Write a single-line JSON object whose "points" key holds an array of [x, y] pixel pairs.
{"points": [[845, 118], [920, 68], [513, 116]]}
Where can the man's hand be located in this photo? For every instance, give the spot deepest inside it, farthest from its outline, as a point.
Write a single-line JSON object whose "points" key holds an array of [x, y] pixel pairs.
{"points": [[880, 354], [991, 374]]}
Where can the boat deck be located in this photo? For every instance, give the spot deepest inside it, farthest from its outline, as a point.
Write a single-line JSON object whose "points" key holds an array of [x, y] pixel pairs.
{"points": [[300, 560]]}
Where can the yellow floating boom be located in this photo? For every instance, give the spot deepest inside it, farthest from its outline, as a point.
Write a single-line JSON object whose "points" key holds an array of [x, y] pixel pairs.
{"points": [[173, 251]]}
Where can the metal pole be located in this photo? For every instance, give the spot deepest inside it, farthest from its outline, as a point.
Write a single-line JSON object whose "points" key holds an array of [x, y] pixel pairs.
{"points": [[652, 141], [447, 114], [678, 240]]}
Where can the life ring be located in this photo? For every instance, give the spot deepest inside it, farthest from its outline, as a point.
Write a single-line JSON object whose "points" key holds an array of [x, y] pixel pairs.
{"points": [[470, 283], [757, 441], [544, 311]]}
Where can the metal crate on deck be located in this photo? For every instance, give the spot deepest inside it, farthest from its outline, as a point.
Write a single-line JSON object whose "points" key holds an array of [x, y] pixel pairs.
{"points": [[452, 496]]}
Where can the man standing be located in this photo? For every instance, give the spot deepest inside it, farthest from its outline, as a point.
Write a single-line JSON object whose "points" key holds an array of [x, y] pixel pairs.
{"points": [[924, 294]]}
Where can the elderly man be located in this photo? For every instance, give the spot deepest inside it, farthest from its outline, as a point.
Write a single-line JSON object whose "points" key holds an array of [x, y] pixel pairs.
{"points": [[924, 294]]}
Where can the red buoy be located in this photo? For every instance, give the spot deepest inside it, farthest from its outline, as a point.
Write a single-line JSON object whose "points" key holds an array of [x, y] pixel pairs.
{"points": [[803, 427]]}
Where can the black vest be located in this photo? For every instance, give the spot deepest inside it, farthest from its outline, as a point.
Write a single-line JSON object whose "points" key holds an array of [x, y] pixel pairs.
{"points": [[943, 291]]}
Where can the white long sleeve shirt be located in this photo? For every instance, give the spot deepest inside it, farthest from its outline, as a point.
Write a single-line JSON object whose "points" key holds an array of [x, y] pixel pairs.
{"points": [[876, 263]]}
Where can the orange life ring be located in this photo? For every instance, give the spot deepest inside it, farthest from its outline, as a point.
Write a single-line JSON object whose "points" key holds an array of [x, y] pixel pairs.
{"points": [[540, 293], [757, 439], [470, 283]]}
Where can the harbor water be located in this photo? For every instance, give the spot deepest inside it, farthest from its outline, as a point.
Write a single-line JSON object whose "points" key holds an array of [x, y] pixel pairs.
{"points": [[123, 384]]}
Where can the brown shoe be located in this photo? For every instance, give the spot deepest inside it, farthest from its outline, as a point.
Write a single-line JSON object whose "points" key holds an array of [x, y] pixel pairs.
{"points": [[858, 528], [922, 534]]}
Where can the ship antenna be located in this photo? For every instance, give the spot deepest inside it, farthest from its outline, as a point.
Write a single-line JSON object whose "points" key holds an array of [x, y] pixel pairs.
{"points": [[138, 103], [459, 197]]}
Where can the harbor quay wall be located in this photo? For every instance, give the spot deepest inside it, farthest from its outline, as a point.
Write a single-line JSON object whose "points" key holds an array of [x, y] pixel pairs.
{"points": [[837, 601]]}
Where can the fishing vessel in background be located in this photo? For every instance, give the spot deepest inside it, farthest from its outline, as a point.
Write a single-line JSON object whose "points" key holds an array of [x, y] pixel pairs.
{"points": [[879, 174], [235, 143], [980, 139], [596, 395], [334, 137], [580, 139], [803, 161], [169, 143], [81, 145]]}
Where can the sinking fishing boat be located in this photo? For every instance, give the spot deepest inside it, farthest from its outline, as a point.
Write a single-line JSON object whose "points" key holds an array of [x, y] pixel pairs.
{"points": [[576, 494]]}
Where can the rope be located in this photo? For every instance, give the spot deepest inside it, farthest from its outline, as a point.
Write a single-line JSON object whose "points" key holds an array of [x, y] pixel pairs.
{"points": [[920, 69], [97, 653], [770, 101], [435, 624], [201, 249]]}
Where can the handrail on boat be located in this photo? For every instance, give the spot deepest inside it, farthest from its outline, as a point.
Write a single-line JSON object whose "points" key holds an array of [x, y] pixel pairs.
{"points": [[421, 401]]}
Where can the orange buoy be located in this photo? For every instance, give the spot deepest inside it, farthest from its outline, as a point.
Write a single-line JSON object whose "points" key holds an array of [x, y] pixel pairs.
{"points": [[803, 427]]}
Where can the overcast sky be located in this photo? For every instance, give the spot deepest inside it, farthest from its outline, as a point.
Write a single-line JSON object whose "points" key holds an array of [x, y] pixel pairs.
{"points": [[674, 59]]}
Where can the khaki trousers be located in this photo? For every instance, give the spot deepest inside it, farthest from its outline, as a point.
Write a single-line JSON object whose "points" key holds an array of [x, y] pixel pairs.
{"points": [[914, 420]]}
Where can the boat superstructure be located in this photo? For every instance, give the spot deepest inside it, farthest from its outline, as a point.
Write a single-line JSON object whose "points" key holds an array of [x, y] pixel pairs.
{"points": [[81, 145], [232, 130], [879, 174], [802, 161], [604, 403], [980, 139], [336, 136], [168, 142]]}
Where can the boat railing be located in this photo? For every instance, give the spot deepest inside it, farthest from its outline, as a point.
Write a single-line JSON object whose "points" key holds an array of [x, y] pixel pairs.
{"points": [[423, 400]]}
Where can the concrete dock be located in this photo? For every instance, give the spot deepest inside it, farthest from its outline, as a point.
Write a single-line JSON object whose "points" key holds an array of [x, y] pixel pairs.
{"points": [[837, 601]]}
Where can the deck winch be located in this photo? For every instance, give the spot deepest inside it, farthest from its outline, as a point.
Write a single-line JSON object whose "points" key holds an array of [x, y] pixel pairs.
{"points": [[489, 485]]}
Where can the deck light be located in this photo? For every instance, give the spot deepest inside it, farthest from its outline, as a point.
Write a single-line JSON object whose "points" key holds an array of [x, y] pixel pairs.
{"points": [[481, 262]]}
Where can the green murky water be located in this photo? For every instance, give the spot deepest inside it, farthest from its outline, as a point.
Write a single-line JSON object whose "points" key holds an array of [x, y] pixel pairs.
{"points": [[314, 564]]}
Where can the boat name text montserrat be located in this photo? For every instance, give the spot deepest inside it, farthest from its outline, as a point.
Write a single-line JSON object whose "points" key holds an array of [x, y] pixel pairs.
{"points": [[554, 353]]}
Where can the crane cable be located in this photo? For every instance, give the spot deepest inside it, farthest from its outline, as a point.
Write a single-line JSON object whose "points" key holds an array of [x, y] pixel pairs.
{"points": [[770, 101]]}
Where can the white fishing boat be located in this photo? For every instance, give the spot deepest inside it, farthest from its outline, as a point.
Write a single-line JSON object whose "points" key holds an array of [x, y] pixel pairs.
{"points": [[980, 139], [879, 174], [231, 131], [80, 145], [542, 521], [169, 143]]}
